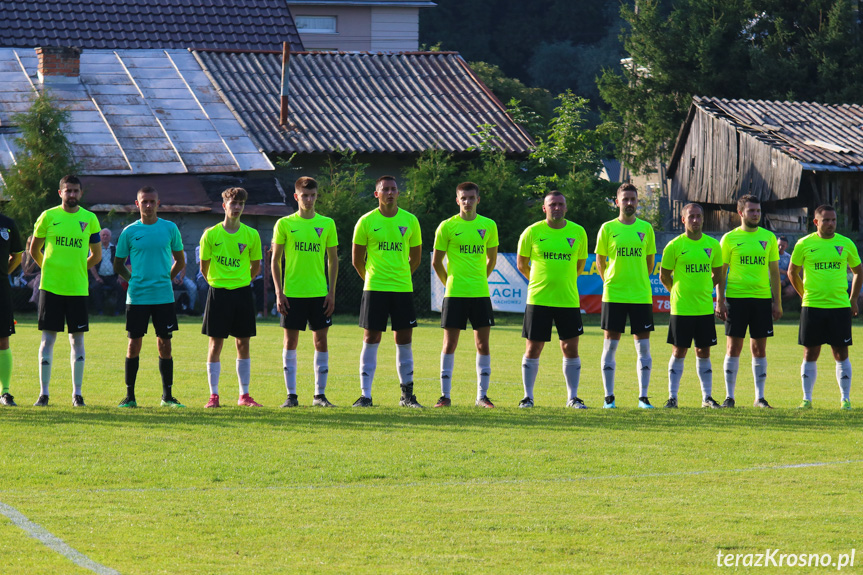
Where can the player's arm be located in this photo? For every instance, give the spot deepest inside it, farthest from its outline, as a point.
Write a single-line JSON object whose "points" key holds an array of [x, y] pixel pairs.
{"points": [[523, 265], [179, 264], [95, 253], [255, 268], [415, 255], [14, 262], [665, 278], [721, 308], [439, 267], [580, 267], [358, 258], [796, 278], [491, 260], [856, 284], [775, 289], [278, 276], [205, 267], [120, 268], [332, 277], [601, 261], [36, 250], [651, 259]]}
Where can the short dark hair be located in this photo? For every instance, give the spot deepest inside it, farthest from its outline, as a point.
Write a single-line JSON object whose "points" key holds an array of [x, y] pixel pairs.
{"points": [[747, 199], [238, 194], [467, 186], [305, 183], [69, 179], [552, 193], [824, 208], [148, 190], [691, 205], [627, 187], [383, 179], [782, 238]]}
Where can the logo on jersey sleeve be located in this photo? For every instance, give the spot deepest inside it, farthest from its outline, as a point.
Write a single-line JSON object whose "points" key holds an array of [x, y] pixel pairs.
{"points": [[403, 229], [4, 233], [570, 241], [481, 233], [83, 225], [838, 248], [319, 231], [242, 247], [763, 245], [708, 251]]}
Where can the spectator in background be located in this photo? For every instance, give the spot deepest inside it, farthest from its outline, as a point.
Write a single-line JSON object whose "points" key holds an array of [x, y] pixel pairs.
{"points": [[784, 262], [183, 283], [30, 272], [103, 280]]}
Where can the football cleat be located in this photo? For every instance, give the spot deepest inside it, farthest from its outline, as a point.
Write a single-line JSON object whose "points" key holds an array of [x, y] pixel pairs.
{"points": [[762, 403], [609, 402], [363, 401], [7, 400], [128, 403], [576, 403], [710, 402], [805, 404], [526, 402], [729, 402], [444, 401], [78, 401], [321, 400], [171, 401], [846, 404], [484, 401], [246, 400], [671, 403], [214, 401], [644, 403], [408, 398], [42, 401], [291, 401]]}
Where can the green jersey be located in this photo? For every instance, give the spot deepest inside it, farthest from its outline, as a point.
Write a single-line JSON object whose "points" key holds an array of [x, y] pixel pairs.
{"points": [[466, 244], [626, 247], [306, 242], [554, 269], [388, 242], [230, 255], [748, 256], [691, 263], [67, 244], [824, 263]]}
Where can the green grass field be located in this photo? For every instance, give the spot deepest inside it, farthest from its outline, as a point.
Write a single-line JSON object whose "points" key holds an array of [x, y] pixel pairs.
{"points": [[390, 490]]}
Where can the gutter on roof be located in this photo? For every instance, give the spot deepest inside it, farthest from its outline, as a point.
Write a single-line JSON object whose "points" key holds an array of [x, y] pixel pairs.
{"points": [[831, 168]]}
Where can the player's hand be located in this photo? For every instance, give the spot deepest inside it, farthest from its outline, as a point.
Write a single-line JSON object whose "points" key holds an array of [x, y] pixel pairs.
{"points": [[329, 305], [777, 311], [721, 310], [282, 304], [854, 307]]}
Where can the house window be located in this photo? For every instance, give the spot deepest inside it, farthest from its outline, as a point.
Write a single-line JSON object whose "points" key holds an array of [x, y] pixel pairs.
{"points": [[316, 24]]}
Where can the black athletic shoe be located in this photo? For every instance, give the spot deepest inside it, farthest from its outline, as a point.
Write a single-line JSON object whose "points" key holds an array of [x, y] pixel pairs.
{"points": [[576, 403], [526, 403], [711, 403], [408, 398], [671, 403], [762, 403], [291, 401], [78, 401], [42, 401], [729, 402], [321, 401], [7, 400], [363, 401]]}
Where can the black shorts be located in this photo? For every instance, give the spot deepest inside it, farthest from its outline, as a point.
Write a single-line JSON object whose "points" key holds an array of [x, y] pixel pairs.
{"points": [[229, 312], [57, 311], [138, 318], [821, 325], [751, 312], [378, 305], [7, 319], [614, 317], [305, 310], [538, 320], [456, 311], [682, 329]]}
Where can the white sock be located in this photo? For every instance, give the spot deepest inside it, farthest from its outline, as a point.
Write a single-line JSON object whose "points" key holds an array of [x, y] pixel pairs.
{"points": [[483, 375], [644, 363], [214, 369], [76, 358], [46, 358], [289, 366], [608, 364], [322, 371], [244, 374], [843, 377], [808, 373], [675, 372], [447, 361], [405, 363], [730, 366], [368, 365], [705, 376], [572, 375], [759, 372], [529, 370]]}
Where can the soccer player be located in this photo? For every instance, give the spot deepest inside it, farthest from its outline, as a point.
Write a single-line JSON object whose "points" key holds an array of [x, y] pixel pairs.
{"points": [[750, 260], [305, 294], [11, 250], [155, 250], [230, 258], [691, 266], [827, 307], [551, 255], [68, 232], [469, 242], [625, 249], [387, 247]]}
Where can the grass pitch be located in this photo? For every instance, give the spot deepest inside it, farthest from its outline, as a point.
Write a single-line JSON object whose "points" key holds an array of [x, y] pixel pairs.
{"points": [[462, 490]]}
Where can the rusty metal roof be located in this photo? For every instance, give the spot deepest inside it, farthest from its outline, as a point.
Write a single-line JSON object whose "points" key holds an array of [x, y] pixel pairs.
{"points": [[125, 24], [821, 137], [134, 112], [389, 103]]}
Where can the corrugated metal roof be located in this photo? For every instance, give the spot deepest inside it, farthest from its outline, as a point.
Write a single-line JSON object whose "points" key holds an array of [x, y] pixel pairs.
{"points": [[128, 24], [390, 103], [820, 136], [135, 112]]}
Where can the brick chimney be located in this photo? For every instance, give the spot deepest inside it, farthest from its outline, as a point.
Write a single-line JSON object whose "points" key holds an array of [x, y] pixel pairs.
{"points": [[59, 64]]}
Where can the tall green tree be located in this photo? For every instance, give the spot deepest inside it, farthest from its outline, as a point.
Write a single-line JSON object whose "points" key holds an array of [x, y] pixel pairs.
{"points": [[44, 157]]}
